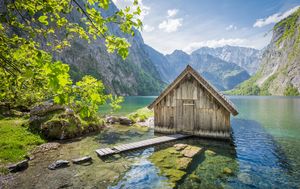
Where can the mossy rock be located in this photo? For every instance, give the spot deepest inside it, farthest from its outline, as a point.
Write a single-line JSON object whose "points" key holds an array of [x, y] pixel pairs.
{"points": [[172, 162], [191, 151], [141, 115], [210, 153], [183, 163], [174, 175], [60, 122]]}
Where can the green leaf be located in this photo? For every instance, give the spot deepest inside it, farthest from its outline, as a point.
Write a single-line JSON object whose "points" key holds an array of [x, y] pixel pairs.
{"points": [[43, 20]]}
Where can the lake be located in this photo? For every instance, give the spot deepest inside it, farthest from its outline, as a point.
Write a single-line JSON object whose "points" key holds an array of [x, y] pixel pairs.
{"points": [[266, 135], [265, 153]]}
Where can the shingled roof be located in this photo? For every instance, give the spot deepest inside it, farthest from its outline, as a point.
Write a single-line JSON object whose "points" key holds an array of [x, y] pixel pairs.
{"points": [[214, 92]]}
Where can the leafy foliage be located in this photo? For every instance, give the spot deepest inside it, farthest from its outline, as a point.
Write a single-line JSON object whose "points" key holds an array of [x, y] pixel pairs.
{"points": [[290, 90], [30, 75], [87, 95], [46, 19], [141, 115]]}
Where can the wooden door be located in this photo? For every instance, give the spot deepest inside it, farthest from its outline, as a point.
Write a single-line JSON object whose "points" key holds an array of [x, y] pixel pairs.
{"points": [[188, 115]]}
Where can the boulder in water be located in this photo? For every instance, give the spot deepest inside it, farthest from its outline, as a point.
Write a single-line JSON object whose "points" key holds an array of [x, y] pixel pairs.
{"points": [[125, 121]]}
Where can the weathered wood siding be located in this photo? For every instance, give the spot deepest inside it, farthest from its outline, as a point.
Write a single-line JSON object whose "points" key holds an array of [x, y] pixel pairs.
{"points": [[190, 108]]}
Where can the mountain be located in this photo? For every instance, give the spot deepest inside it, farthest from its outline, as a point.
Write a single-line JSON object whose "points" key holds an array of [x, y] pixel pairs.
{"points": [[279, 73], [136, 75], [222, 74], [247, 58], [161, 63]]}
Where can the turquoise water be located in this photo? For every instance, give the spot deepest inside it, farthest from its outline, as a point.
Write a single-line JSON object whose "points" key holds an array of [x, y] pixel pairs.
{"points": [[130, 104], [266, 136], [264, 153]]}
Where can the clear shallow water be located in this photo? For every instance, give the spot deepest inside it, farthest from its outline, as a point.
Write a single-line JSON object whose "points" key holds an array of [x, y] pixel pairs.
{"points": [[265, 154]]}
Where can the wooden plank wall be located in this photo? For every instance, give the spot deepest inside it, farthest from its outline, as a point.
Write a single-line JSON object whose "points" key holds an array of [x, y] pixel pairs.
{"points": [[190, 108]]}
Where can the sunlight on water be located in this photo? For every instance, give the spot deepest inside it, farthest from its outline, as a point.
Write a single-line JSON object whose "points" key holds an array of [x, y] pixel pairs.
{"points": [[265, 153]]}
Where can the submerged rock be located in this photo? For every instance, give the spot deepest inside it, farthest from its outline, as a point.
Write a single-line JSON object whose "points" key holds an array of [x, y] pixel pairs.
{"points": [[173, 162], [183, 163], [180, 147], [58, 164], [125, 121], [227, 171], [244, 178], [20, 166], [86, 159], [191, 151]]}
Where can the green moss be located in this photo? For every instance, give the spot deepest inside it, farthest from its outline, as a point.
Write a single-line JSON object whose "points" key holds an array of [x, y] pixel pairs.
{"points": [[210, 153], [216, 166], [16, 140], [195, 178], [140, 128], [290, 90], [141, 115], [172, 163]]}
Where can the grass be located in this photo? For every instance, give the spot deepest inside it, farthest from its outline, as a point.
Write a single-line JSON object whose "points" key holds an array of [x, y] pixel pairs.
{"points": [[16, 140]]}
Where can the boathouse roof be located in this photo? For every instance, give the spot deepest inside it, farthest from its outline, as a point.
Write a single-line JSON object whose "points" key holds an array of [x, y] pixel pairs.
{"points": [[225, 102]]}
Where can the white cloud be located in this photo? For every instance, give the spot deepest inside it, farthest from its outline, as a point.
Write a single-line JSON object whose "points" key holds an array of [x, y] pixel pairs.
{"points": [[214, 43], [148, 28], [121, 4], [231, 27], [172, 12], [170, 25], [274, 18]]}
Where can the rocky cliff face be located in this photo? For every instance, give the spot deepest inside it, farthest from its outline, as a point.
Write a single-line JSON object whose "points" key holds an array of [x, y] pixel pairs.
{"points": [[247, 58], [222, 74], [136, 75], [279, 73]]}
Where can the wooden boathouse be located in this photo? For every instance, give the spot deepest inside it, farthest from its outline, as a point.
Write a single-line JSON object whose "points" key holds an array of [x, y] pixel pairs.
{"points": [[190, 105]]}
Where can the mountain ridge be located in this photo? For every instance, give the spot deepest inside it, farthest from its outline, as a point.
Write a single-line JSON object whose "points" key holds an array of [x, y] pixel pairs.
{"points": [[279, 73], [221, 73]]}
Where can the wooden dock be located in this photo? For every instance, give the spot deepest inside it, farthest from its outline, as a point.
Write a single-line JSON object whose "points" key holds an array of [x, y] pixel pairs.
{"points": [[135, 145]]}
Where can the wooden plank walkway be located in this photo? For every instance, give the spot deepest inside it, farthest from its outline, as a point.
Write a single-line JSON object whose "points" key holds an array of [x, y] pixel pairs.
{"points": [[135, 145]]}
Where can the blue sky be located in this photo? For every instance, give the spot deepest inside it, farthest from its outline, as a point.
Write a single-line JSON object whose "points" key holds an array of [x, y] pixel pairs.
{"points": [[191, 24]]}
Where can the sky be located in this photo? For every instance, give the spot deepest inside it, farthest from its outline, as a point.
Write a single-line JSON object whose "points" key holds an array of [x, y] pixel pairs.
{"points": [[190, 24]]}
